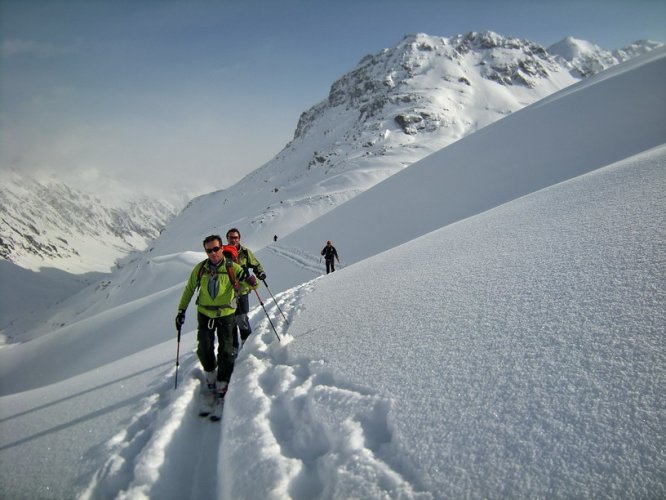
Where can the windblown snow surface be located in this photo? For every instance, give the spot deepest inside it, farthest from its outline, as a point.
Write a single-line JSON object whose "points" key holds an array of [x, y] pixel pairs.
{"points": [[514, 352]]}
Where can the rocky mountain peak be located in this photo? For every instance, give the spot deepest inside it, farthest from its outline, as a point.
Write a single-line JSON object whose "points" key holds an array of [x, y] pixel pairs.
{"points": [[407, 75]]}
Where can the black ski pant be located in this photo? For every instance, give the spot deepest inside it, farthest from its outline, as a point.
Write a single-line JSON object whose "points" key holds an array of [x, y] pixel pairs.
{"points": [[241, 319], [224, 361], [330, 266]]}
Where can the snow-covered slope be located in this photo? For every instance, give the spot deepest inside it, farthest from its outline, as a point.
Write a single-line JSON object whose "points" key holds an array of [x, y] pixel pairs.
{"points": [[47, 223], [29, 298], [515, 354], [393, 109]]}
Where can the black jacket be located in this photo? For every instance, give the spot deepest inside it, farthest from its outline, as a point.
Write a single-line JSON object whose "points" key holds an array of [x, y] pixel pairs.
{"points": [[329, 252]]}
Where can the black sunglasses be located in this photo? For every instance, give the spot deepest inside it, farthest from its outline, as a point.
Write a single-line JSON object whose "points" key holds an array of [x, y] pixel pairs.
{"points": [[211, 250]]}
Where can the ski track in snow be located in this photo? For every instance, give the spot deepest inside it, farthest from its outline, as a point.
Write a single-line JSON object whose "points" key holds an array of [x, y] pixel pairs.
{"points": [[164, 439], [300, 258], [322, 427]]}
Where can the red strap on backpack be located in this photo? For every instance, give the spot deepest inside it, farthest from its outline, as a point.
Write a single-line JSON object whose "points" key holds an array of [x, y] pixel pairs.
{"points": [[232, 275]]}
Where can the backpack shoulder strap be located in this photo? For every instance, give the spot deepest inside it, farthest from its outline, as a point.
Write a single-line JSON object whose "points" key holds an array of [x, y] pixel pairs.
{"points": [[228, 263], [201, 271]]}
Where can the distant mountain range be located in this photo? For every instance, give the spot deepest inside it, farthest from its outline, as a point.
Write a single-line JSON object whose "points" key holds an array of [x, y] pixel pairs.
{"points": [[50, 224], [394, 108]]}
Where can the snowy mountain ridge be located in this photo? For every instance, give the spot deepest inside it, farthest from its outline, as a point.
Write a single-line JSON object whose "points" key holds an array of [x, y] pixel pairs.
{"points": [[394, 108], [48, 223], [586, 59]]}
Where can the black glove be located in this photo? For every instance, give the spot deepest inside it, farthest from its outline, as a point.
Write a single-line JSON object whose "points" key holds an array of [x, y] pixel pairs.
{"points": [[261, 276], [180, 319]]}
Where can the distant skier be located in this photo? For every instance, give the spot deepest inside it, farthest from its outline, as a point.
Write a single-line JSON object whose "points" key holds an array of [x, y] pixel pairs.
{"points": [[330, 253], [217, 279], [274, 238]]}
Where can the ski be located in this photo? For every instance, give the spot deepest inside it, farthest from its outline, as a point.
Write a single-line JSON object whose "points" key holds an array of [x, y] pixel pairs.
{"points": [[216, 414], [206, 401]]}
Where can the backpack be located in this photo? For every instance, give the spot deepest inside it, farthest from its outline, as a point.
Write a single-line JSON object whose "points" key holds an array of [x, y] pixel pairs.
{"points": [[230, 270]]}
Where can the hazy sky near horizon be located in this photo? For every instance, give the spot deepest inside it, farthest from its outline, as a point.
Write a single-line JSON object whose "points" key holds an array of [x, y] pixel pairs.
{"points": [[196, 94]]}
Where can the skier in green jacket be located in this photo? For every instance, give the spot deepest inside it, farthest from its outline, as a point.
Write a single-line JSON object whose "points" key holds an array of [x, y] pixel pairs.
{"points": [[219, 279], [247, 261]]}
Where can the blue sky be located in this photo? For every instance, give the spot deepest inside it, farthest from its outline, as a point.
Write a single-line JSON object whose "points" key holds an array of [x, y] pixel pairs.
{"points": [[165, 93]]}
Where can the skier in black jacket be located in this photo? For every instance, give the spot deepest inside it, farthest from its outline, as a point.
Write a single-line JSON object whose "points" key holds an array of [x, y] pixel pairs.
{"points": [[329, 252]]}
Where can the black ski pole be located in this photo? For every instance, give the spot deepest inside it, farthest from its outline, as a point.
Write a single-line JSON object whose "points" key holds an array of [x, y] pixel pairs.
{"points": [[177, 359], [276, 302], [267, 316]]}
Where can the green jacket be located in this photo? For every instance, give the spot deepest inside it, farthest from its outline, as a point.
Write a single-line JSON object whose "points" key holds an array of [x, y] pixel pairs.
{"points": [[224, 303], [247, 261]]}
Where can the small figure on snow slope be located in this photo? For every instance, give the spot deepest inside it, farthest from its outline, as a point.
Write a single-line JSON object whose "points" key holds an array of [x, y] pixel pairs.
{"points": [[329, 252]]}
